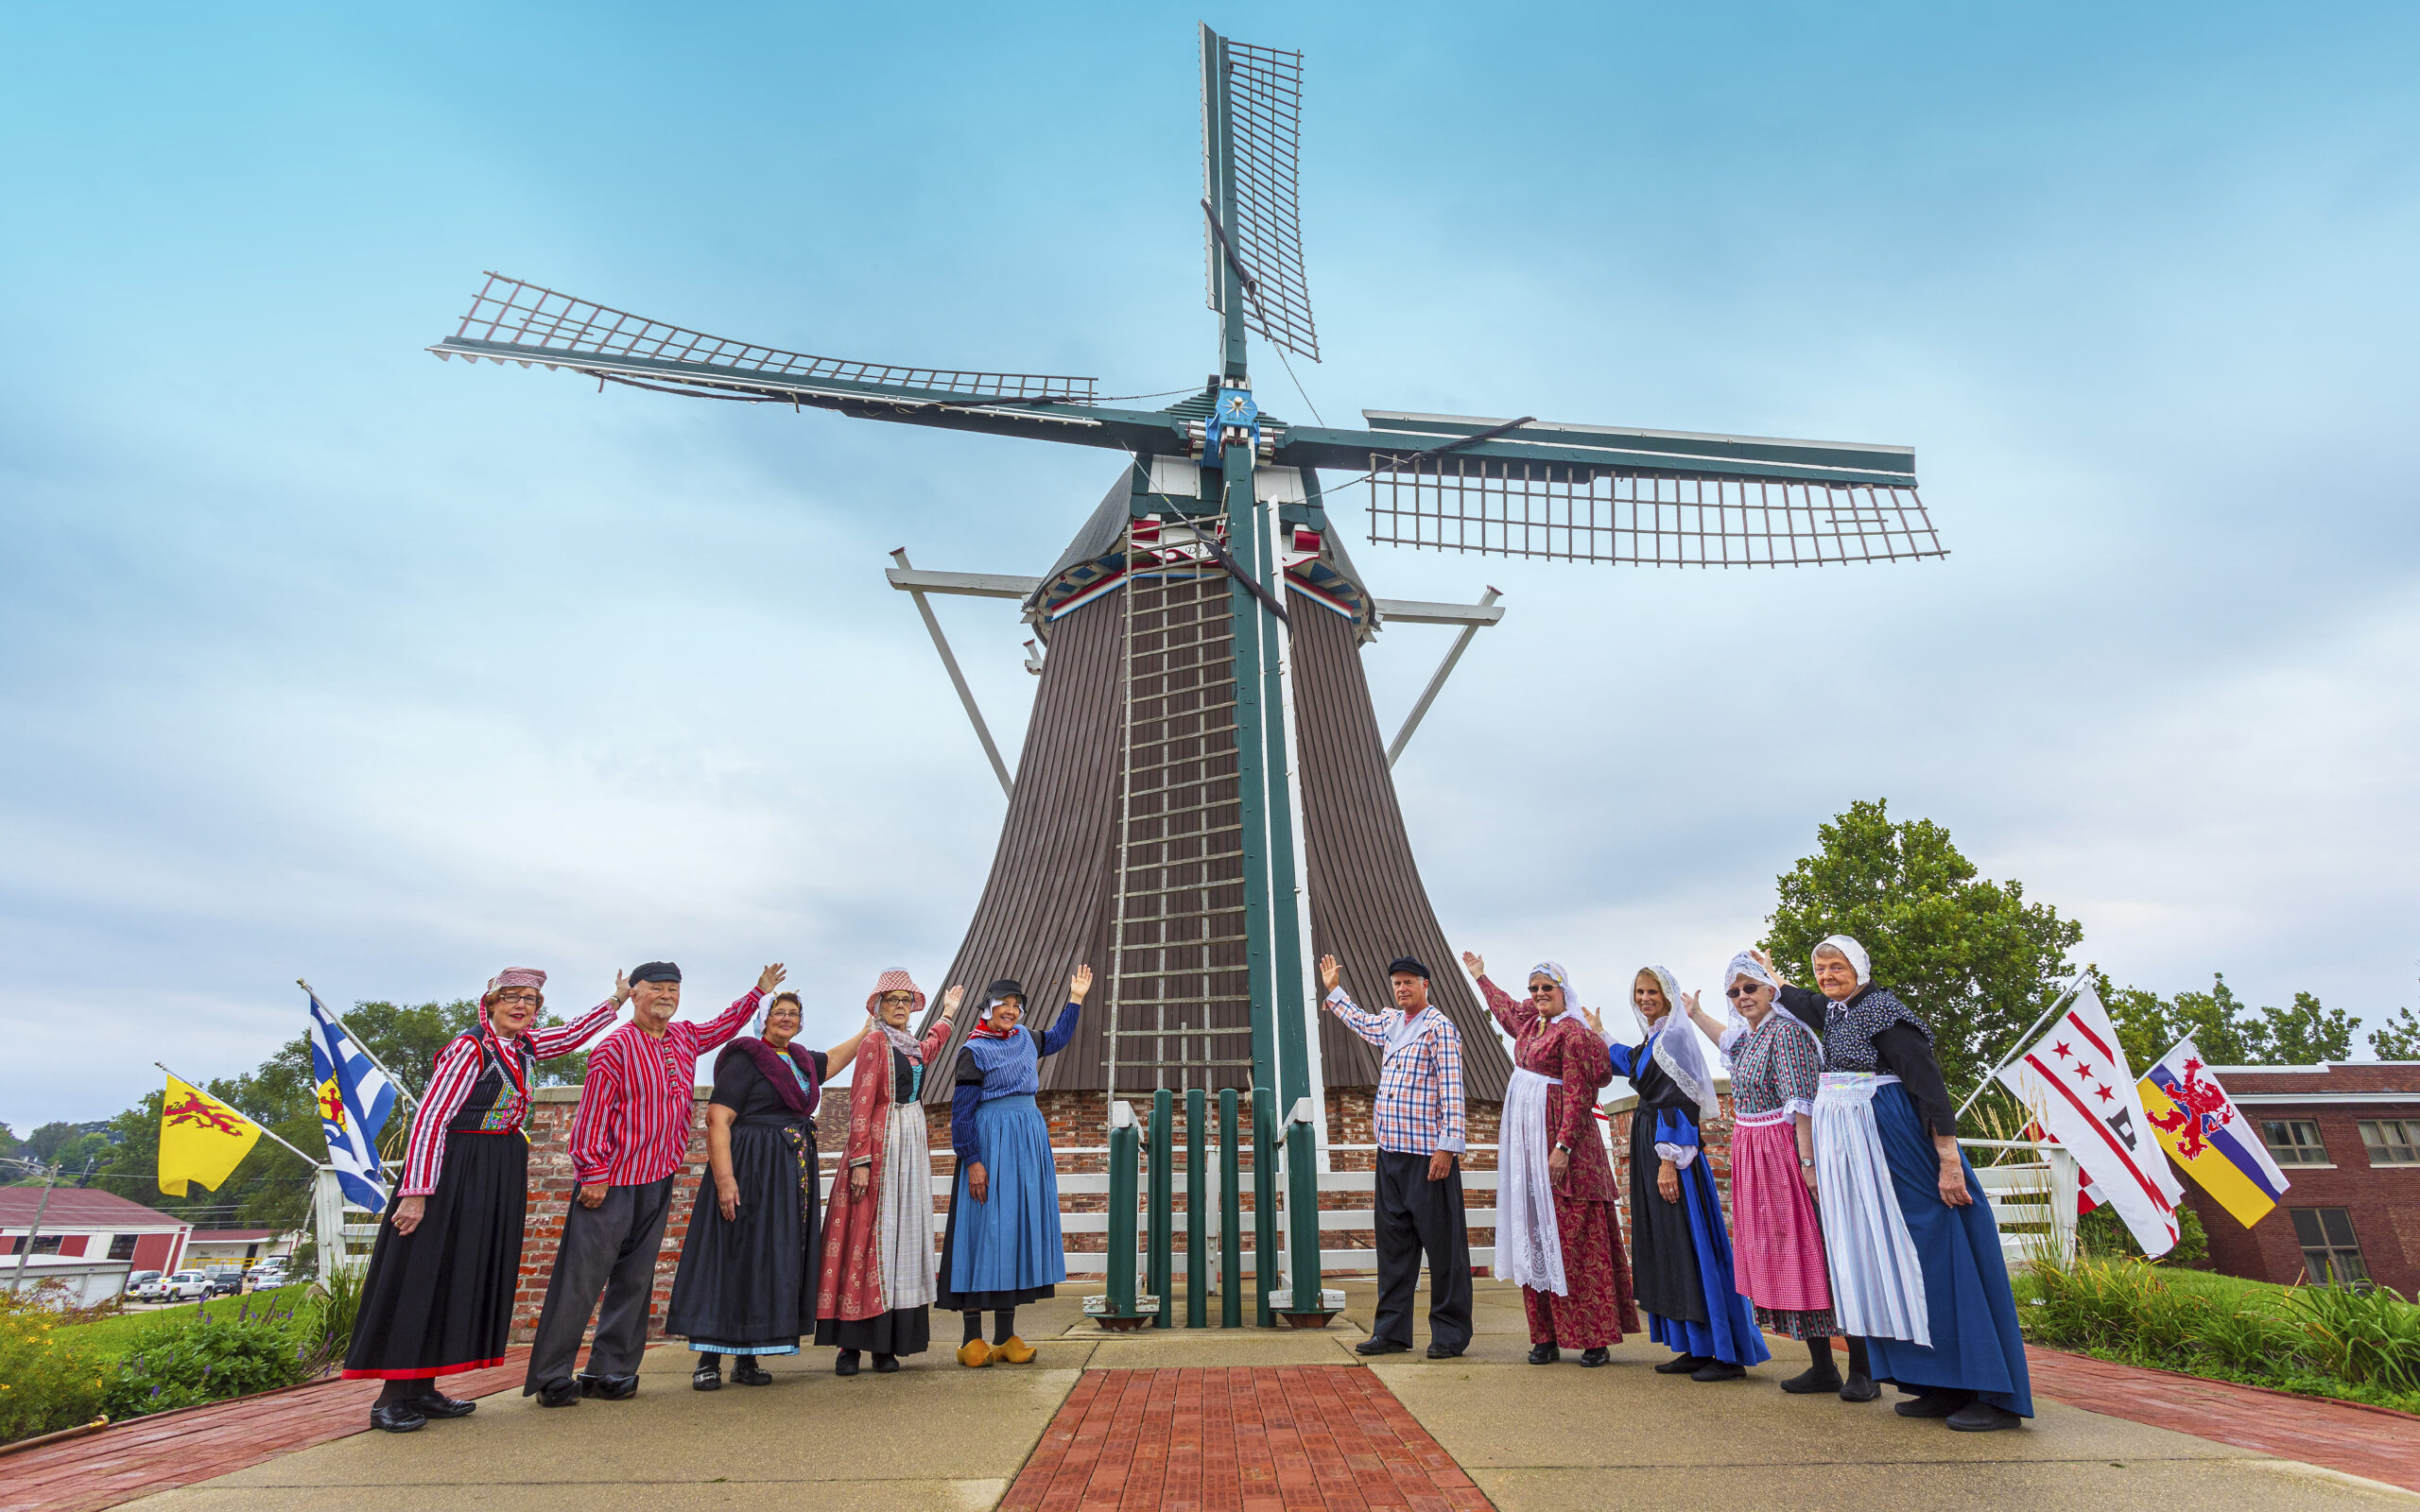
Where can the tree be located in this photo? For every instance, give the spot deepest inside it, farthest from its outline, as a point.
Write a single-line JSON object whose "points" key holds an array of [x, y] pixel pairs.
{"points": [[1971, 956], [2398, 1039], [2224, 1029], [43, 1144]]}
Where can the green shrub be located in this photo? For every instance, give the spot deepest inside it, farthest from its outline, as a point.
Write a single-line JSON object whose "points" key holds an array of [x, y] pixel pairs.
{"points": [[2251, 1340], [46, 1383], [207, 1357], [2370, 1337], [2104, 1236], [326, 1324]]}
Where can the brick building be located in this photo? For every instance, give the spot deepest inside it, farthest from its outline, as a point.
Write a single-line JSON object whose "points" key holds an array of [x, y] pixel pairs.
{"points": [[2347, 1137]]}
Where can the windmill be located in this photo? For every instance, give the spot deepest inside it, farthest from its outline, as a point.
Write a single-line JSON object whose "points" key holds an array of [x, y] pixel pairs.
{"points": [[1205, 802]]}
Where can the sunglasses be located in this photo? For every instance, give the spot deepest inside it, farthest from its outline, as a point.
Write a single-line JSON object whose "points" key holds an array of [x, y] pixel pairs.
{"points": [[1739, 992], [1540, 990]]}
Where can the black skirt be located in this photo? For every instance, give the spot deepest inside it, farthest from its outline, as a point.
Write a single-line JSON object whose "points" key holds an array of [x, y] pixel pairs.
{"points": [[746, 1284], [440, 1299], [1662, 1253], [901, 1331]]}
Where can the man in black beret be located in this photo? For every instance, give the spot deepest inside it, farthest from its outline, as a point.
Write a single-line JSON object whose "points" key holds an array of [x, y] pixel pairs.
{"points": [[1418, 1121]]}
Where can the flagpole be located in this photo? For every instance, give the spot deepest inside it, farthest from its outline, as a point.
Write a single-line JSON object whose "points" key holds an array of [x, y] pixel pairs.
{"points": [[1984, 1085], [248, 1118], [401, 1091]]}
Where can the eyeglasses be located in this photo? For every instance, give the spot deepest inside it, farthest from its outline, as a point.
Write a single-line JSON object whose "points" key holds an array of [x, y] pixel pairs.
{"points": [[1739, 992], [909, 998], [515, 997]]}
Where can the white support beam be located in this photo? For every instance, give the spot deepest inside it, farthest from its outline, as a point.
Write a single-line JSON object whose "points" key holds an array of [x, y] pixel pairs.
{"points": [[1471, 623], [1419, 611], [973, 585], [941, 644]]}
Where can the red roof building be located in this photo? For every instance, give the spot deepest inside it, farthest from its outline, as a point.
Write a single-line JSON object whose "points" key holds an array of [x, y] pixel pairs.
{"points": [[96, 1225], [2347, 1137]]}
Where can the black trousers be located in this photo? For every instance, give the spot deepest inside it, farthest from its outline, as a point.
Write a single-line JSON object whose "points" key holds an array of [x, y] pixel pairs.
{"points": [[1417, 1216], [610, 1246]]}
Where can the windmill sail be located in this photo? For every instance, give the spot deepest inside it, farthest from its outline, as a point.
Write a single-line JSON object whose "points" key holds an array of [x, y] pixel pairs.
{"points": [[517, 322], [1654, 498], [1251, 140]]}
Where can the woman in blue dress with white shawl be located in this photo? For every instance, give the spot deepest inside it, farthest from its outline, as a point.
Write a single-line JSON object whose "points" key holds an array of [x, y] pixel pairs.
{"points": [[1002, 1247], [1915, 1256], [1681, 1265]]}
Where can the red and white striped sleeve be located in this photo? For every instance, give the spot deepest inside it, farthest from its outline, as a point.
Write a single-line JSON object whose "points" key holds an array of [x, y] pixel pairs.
{"points": [[596, 1128], [546, 1044], [714, 1033], [449, 1085]]}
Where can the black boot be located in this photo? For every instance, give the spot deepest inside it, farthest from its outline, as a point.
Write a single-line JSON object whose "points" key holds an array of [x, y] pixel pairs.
{"points": [[1719, 1370], [1681, 1365], [1544, 1353], [1591, 1359], [562, 1391], [708, 1376], [886, 1364], [745, 1372], [1822, 1374], [1859, 1387], [846, 1364], [395, 1412]]}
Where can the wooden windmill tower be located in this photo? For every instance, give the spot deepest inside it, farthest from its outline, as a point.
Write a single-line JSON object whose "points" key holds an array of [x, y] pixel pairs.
{"points": [[1203, 805]]}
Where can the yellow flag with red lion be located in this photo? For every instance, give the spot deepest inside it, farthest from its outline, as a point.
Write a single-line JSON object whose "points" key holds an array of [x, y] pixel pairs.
{"points": [[201, 1138]]}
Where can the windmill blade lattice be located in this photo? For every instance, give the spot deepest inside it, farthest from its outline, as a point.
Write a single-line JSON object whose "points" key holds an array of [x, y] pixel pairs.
{"points": [[517, 320], [1263, 138], [1577, 513]]}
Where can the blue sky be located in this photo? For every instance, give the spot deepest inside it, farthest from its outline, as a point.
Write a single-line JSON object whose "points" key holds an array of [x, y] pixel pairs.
{"points": [[321, 658]]}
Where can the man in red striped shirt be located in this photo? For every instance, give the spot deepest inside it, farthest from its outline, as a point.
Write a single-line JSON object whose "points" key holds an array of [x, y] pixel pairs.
{"points": [[636, 1108]]}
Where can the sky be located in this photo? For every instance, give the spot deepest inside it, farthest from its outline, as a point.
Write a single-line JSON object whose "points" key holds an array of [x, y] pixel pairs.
{"points": [[322, 659]]}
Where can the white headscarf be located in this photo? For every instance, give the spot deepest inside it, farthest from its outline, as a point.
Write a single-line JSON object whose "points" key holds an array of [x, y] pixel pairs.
{"points": [[1851, 951], [1745, 964], [1679, 1048], [1554, 972]]}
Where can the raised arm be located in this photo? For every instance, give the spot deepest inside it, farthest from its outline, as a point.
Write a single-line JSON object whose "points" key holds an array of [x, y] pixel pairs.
{"points": [[938, 1035], [1063, 1029], [845, 1052], [1515, 1014], [563, 1038], [1623, 1060], [718, 1032]]}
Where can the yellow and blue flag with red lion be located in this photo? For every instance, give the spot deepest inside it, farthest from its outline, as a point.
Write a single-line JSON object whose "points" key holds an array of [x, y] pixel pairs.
{"points": [[2208, 1136], [354, 1099]]}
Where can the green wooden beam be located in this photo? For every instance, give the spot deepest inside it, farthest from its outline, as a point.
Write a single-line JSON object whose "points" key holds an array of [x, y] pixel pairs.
{"points": [[1311, 446]]}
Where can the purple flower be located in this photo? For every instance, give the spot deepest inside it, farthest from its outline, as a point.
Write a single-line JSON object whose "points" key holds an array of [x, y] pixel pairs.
{"points": [[155, 1391]]}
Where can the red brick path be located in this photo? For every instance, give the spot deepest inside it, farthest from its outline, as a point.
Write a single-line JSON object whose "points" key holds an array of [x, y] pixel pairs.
{"points": [[175, 1448], [2343, 1435], [1303, 1438]]}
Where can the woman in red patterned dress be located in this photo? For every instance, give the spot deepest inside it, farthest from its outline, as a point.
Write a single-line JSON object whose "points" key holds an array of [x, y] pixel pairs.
{"points": [[1557, 1234]]}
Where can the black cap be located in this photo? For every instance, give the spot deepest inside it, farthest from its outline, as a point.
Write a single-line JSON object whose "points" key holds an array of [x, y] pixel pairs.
{"points": [[655, 971], [1406, 966], [1006, 986]]}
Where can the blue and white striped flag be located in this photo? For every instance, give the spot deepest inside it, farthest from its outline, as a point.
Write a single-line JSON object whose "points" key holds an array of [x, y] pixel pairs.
{"points": [[354, 1099]]}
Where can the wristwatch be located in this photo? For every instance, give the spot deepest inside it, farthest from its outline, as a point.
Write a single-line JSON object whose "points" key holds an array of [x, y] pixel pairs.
{"points": [[1806, 1161]]}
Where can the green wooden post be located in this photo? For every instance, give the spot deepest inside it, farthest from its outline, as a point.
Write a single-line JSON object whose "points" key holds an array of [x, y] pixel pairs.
{"points": [[1264, 1200], [1231, 1216], [1163, 1197], [1196, 1211], [1123, 1148]]}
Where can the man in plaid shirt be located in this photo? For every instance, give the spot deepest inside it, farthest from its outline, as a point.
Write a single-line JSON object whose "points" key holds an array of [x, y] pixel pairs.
{"points": [[1419, 1121]]}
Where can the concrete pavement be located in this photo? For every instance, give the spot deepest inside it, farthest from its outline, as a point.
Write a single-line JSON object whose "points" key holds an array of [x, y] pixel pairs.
{"points": [[936, 1437]]}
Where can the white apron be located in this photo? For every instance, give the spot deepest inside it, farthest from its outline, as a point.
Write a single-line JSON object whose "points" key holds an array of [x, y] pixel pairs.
{"points": [[1877, 1286], [1527, 1241]]}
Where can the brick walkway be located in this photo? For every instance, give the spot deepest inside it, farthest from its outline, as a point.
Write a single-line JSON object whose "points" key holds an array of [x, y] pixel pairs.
{"points": [[175, 1448], [2343, 1435], [1299, 1439]]}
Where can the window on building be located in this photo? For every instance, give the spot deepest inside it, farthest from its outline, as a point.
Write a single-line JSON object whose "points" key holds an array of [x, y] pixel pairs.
{"points": [[122, 1245], [46, 1244], [2331, 1257], [2392, 1140], [2293, 1142]]}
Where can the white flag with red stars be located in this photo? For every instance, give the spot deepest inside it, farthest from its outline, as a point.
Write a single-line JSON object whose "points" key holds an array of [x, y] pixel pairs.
{"points": [[2076, 1083]]}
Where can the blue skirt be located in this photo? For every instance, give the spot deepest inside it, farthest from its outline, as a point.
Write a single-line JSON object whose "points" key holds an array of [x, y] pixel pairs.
{"points": [[1009, 1243], [1731, 1334], [1976, 1343]]}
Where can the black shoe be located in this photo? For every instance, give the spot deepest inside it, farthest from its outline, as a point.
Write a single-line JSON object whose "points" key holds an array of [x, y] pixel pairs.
{"points": [[1982, 1418], [611, 1388], [433, 1405], [846, 1364], [562, 1391], [750, 1375], [707, 1377], [1681, 1365], [1859, 1388], [1544, 1353], [1717, 1370], [1825, 1377], [886, 1364], [1374, 1345], [397, 1418], [1446, 1351], [1939, 1404], [1591, 1359]]}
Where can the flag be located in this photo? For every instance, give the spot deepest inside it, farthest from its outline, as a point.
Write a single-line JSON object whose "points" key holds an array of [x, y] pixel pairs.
{"points": [[2076, 1083], [2210, 1137], [201, 1138], [354, 1099]]}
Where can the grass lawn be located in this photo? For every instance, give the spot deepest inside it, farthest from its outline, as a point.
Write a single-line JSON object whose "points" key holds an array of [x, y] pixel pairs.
{"points": [[112, 1337]]}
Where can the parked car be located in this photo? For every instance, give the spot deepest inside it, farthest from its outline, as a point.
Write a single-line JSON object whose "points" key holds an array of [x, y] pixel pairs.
{"points": [[188, 1286], [139, 1283], [223, 1283], [267, 1276]]}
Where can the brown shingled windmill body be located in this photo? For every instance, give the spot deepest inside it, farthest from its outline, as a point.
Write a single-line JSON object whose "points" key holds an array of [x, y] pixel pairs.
{"points": [[1204, 803]]}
